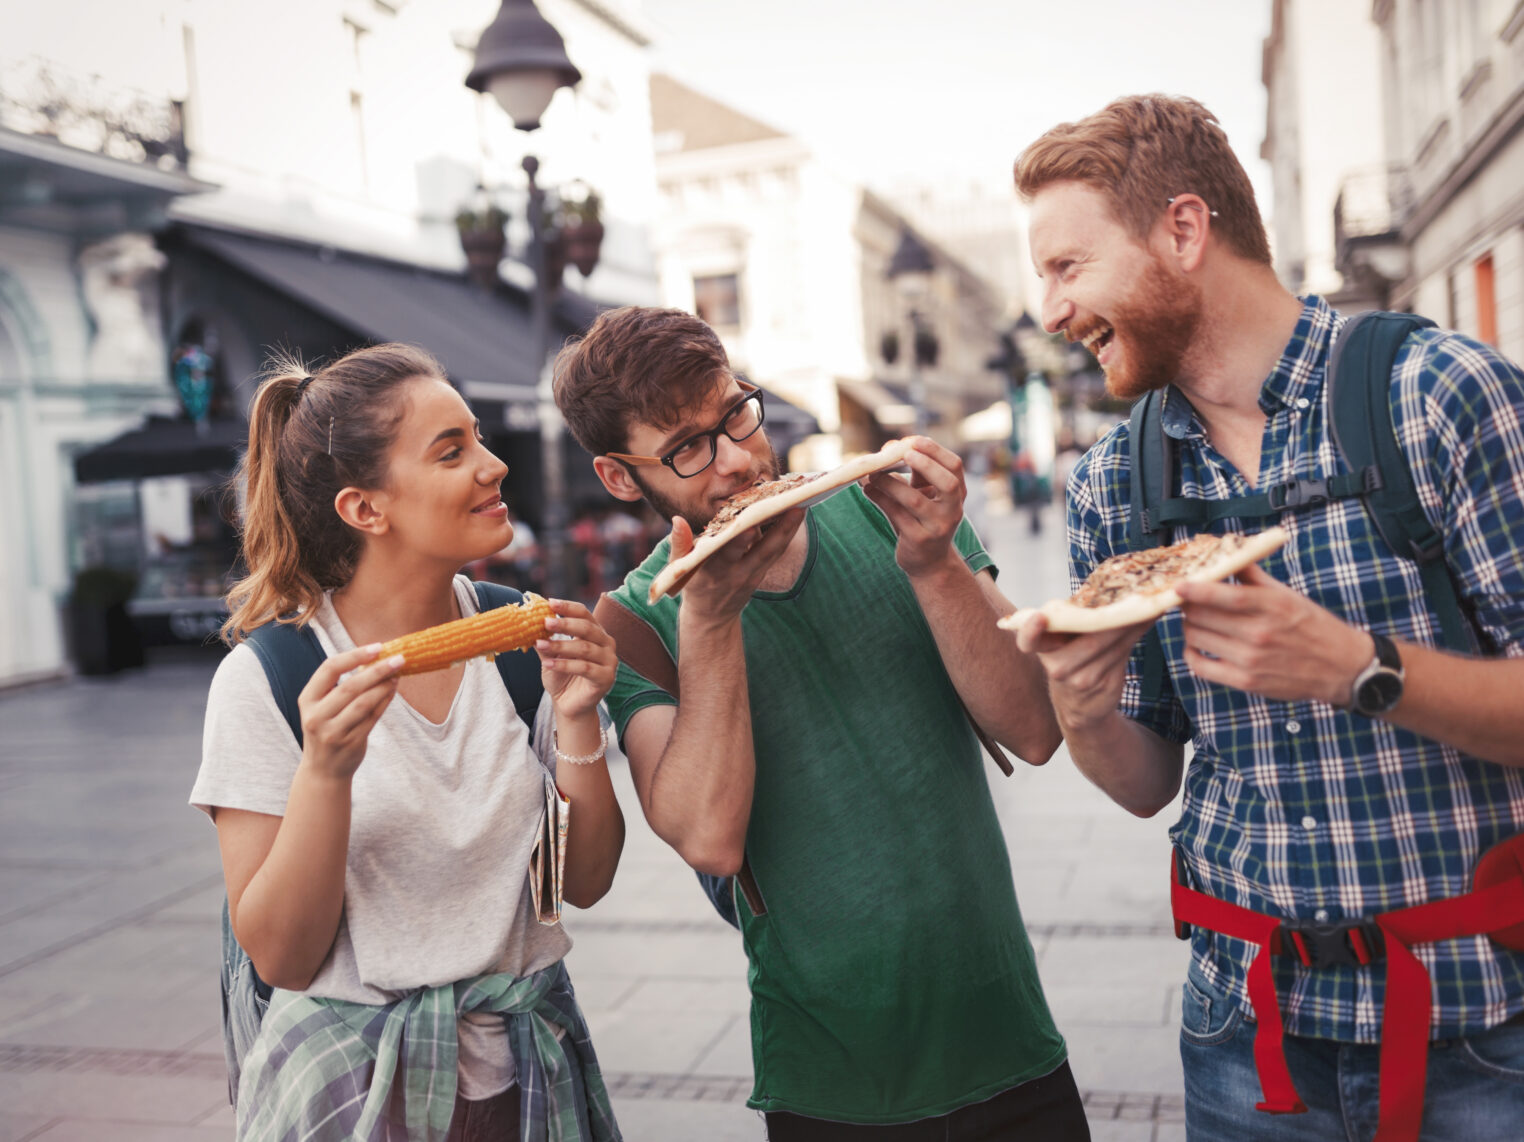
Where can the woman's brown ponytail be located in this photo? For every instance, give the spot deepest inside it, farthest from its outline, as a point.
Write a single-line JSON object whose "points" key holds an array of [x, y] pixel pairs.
{"points": [[310, 435]]}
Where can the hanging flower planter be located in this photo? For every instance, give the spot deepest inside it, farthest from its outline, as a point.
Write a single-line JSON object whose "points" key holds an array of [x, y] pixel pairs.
{"points": [[581, 225], [483, 242]]}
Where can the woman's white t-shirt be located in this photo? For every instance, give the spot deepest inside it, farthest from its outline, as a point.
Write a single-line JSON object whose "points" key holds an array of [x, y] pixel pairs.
{"points": [[442, 823]]}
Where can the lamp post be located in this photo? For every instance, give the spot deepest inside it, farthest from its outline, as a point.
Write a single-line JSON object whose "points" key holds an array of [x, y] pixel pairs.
{"points": [[521, 60], [910, 270]]}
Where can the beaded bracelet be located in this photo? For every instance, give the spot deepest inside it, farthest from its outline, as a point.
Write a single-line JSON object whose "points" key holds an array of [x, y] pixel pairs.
{"points": [[585, 759]]}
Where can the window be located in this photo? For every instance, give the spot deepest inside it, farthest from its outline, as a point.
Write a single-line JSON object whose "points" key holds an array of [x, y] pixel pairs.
{"points": [[717, 300], [1486, 302]]}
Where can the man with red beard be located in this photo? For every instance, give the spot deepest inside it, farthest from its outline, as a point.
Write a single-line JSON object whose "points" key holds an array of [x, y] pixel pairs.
{"points": [[809, 742], [1347, 774]]}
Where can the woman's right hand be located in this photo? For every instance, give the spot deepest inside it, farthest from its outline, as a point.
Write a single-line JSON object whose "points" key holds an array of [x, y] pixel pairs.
{"points": [[338, 712]]}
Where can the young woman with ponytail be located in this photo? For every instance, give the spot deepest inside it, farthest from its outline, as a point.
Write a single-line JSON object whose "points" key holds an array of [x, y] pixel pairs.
{"points": [[378, 875]]}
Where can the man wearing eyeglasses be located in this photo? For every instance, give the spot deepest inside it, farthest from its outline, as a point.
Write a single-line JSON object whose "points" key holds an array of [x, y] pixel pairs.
{"points": [[797, 721]]}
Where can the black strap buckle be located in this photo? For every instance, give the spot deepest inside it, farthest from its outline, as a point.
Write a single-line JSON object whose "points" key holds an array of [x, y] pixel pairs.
{"points": [[1299, 493], [1358, 943]]}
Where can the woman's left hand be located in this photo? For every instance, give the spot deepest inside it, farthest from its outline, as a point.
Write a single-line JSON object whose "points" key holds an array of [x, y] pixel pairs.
{"points": [[578, 671]]}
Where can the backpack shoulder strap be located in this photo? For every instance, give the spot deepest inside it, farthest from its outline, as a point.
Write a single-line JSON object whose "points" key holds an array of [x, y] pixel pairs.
{"points": [[1360, 400], [1150, 479], [520, 671], [640, 647], [1151, 472], [290, 655]]}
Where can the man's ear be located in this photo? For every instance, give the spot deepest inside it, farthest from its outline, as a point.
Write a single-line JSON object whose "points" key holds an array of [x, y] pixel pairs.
{"points": [[360, 511], [1186, 224], [617, 479]]}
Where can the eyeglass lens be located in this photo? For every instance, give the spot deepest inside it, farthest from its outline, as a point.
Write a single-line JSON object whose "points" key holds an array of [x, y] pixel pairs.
{"points": [[697, 454]]}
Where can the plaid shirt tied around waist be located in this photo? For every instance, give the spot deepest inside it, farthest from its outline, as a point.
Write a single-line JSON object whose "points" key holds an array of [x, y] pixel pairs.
{"points": [[1306, 811], [323, 1069]]}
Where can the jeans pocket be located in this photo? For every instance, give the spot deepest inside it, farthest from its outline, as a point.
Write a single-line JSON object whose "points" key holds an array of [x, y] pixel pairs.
{"points": [[1206, 1016], [1497, 1053]]}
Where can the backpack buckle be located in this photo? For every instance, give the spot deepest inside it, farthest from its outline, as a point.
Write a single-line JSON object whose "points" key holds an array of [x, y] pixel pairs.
{"points": [[1357, 943], [1299, 493]]}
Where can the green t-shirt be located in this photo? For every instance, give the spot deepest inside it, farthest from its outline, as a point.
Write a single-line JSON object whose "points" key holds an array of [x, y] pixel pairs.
{"points": [[891, 976]]}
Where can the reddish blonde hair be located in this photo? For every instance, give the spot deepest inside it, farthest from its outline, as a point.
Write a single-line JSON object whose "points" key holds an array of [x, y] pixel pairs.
{"points": [[1141, 151], [310, 435]]}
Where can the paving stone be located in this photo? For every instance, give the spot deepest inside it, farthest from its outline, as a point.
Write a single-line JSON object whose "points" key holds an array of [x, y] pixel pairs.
{"points": [[684, 1121], [22, 1127]]}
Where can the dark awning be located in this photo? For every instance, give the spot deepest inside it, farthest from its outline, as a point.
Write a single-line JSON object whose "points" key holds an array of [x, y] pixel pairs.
{"points": [[482, 337], [163, 447]]}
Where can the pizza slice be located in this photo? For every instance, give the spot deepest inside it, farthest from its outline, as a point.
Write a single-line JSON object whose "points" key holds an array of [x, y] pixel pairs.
{"points": [[762, 502], [1140, 585]]}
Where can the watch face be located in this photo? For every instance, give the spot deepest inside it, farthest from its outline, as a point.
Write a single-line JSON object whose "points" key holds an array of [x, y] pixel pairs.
{"points": [[1380, 692]]}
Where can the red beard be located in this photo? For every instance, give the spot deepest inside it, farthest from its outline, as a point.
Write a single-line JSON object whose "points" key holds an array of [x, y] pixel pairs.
{"points": [[1151, 331]]}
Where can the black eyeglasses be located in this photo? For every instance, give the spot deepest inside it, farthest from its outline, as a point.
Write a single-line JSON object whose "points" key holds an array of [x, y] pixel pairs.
{"points": [[696, 453]]}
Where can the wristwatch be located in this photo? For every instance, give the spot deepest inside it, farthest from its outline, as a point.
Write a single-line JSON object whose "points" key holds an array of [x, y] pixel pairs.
{"points": [[1378, 687]]}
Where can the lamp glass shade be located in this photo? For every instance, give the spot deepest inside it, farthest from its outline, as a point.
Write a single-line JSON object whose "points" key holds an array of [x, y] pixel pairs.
{"points": [[525, 93]]}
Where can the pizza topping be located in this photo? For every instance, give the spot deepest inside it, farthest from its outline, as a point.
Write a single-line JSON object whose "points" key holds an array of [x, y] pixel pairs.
{"points": [[745, 498], [1152, 571]]}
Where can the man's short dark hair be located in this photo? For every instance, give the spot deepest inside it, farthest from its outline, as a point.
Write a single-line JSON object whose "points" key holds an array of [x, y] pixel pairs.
{"points": [[636, 364]]}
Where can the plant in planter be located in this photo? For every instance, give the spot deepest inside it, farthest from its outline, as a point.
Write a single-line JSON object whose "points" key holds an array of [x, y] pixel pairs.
{"points": [[580, 218], [102, 635], [482, 239]]}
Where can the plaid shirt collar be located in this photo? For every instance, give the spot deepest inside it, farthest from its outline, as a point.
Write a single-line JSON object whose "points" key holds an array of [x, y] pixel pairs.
{"points": [[1297, 376]]}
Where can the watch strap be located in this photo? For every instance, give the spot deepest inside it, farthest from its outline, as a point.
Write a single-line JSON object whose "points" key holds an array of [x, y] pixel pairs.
{"points": [[1386, 652]]}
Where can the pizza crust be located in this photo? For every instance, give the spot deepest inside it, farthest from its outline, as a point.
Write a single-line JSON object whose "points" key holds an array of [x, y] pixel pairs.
{"points": [[671, 578], [1066, 617]]}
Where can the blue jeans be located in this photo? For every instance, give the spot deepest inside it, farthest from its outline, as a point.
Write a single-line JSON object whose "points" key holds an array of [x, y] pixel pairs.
{"points": [[1475, 1088]]}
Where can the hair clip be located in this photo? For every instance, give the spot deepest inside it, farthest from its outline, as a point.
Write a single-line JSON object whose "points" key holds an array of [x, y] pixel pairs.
{"points": [[330, 436]]}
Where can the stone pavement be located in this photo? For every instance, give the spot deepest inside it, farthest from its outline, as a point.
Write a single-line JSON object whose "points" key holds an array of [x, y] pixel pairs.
{"points": [[110, 890]]}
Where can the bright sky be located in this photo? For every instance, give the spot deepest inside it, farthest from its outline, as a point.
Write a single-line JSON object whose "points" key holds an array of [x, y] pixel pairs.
{"points": [[921, 91]]}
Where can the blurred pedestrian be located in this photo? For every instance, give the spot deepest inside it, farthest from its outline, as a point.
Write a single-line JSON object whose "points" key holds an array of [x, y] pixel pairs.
{"points": [[379, 874], [1348, 776], [809, 743]]}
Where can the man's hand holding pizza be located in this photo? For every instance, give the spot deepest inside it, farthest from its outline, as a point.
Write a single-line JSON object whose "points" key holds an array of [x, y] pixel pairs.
{"points": [[1262, 637], [1086, 672], [722, 585], [925, 509]]}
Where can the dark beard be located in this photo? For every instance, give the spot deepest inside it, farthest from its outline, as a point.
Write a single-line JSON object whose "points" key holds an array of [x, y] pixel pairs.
{"points": [[1158, 328], [698, 518]]}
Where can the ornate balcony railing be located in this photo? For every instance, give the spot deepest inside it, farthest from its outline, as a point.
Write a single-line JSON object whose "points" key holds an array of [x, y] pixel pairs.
{"points": [[37, 98], [1373, 202]]}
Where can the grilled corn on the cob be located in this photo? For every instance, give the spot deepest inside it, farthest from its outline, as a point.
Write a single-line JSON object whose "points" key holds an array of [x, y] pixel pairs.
{"points": [[483, 635]]}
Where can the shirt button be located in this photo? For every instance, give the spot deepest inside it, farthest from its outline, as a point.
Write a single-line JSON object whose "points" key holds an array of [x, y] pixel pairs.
{"points": [[1309, 822], [1293, 726], [1302, 402], [1321, 915]]}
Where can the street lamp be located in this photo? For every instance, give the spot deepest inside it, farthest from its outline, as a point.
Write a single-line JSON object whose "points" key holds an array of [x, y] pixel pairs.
{"points": [[521, 60], [910, 270]]}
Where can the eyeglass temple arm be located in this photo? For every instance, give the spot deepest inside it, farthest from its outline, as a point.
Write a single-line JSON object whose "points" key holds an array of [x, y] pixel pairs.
{"points": [[639, 461]]}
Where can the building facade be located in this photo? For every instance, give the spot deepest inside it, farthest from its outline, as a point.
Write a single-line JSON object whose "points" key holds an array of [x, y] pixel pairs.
{"points": [[787, 260], [1323, 132], [1453, 91], [297, 184]]}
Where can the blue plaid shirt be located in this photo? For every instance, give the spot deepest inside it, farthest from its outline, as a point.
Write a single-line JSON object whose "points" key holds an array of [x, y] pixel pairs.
{"points": [[1301, 810]]}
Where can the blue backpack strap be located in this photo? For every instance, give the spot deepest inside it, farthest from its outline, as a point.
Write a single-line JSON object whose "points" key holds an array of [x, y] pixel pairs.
{"points": [[290, 655], [1360, 373], [1151, 453], [519, 670]]}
